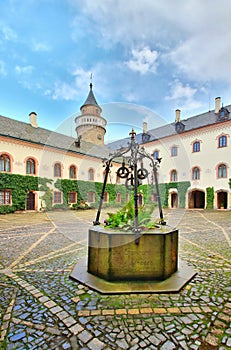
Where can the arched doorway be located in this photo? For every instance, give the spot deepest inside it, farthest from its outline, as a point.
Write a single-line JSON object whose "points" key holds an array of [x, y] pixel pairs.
{"points": [[174, 200], [222, 200], [30, 201], [196, 199]]}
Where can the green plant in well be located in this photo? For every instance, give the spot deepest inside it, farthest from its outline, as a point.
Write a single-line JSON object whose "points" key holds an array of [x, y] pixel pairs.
{"points": [[124, 218]]}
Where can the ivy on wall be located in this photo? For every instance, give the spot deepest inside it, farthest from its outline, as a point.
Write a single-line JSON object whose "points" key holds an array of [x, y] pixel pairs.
{"points": [[19, 186], [181, 187], [210, 197], [82, 188]]}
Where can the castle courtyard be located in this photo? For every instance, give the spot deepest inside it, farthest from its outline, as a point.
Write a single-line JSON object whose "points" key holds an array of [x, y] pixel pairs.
{"points": [[42, 308]]}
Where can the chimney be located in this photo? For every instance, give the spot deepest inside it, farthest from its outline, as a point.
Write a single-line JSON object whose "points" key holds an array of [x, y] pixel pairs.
{"points": [[177, 116], [33, 119], [217, 104], [145, 127]]}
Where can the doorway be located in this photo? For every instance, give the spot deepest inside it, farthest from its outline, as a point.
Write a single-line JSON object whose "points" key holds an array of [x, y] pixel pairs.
{"points": [[30, 201], [174, 200], [196, 199], [222, 200]]}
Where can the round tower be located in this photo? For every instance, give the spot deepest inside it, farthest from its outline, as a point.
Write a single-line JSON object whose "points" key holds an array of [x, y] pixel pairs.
{"points": [[90, 125]]}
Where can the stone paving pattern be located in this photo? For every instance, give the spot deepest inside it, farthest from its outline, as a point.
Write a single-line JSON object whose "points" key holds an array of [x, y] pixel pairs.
{"points": [[41, 308]]}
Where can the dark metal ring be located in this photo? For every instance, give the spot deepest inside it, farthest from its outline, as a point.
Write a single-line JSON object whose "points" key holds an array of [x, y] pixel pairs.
{"points": [[123, 172], [129, 186], [142, 173]]}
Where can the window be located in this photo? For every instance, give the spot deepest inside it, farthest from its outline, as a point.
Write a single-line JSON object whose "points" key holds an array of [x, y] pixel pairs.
{"points": [[72, 172], [222, 171], [106, 197], [5, 163], [173, 176], [72, 197], [30, 166], [196, 173], [91, 174], [57, 170], [222, 141], [91, 197], [196, 146], [57, 197], [118, 197], [5, 197], [156, 154], [174, 151]]}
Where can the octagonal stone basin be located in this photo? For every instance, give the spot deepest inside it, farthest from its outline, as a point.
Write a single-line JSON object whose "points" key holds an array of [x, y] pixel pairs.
{"points": [[115, 256]]}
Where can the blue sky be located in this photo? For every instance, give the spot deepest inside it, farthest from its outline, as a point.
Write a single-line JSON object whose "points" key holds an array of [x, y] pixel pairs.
{"points": [[147, 58]]}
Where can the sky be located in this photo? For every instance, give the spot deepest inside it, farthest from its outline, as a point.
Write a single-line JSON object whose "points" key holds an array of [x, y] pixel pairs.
{"points": [[147, 59]]}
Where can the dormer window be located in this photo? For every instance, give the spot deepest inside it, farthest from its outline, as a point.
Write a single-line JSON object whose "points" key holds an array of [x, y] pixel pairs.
{"points": [[179, 127], [223, 113]]}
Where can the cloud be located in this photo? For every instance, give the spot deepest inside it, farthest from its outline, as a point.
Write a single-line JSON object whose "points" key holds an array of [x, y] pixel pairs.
{"points": [[24, 69], [63, 91], [178, 91], [40, 47], [183, 95], [8, 33], [143, 60], [193, 34]]}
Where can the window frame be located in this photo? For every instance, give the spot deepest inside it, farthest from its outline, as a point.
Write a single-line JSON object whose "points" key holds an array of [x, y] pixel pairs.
{"points": [[57, 164], [196, 146], [32, 166], [91, 174], [5, 159], [221, 142], [57, 195], [7, 197], [175, 179], [222, 172], [174, 151], [74, 200], [196, 171], [74, 177]]}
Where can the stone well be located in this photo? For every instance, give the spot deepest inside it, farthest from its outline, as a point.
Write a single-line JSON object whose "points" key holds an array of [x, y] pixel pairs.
{"points": [[115, 256]]}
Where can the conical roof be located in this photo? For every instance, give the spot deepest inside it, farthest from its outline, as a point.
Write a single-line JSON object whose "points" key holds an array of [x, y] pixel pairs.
{"points": [[90, 99]]}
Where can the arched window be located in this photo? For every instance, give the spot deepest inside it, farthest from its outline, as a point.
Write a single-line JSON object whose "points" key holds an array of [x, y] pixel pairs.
{"points": [[222, 171], [30, 166], [196, 146], [72, 172], [196, 173], [155, 154], [222, 141], [5, 163], [91, 174], [57, 170], [173, 176]]}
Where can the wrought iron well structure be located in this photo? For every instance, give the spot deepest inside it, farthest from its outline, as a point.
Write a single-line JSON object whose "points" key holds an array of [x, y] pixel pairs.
{"points": [[133, 171]]}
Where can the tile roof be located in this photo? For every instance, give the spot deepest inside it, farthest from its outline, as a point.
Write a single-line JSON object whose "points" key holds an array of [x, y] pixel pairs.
{"points": [[192, 123], [24, 131]]}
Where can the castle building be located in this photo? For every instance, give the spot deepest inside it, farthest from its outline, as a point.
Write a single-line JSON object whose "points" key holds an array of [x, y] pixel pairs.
{"points": [[195, 156], [90, 125], [40, 168], [34, 161]]}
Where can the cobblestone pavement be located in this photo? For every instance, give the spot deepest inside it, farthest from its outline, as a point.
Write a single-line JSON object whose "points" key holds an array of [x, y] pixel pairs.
{"points": [[41, 308]]}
